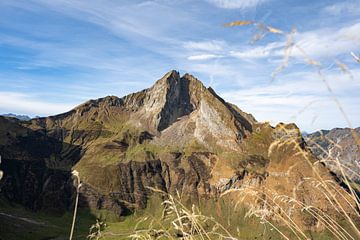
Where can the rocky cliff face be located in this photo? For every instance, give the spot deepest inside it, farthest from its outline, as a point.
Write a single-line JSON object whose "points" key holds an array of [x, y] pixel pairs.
{"points": [[27, 179], [338, 143], [176, 136]]}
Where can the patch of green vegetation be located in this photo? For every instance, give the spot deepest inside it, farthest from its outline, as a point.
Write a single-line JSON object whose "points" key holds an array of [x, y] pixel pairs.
{"points": [[142, 152], [20, 223], [232, 158], [241, 161], [258, 143], [193, 146], [224, 211], [106, 134], [231, 216]]}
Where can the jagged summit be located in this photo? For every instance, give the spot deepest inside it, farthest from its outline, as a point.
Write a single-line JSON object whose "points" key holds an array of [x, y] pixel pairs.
{"points": [[173, 77], [175, 107]]}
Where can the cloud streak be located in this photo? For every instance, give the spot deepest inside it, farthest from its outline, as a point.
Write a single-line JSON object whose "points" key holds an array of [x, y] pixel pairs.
{"points": [[16, 102], [345, 7], [213, 45], [236, 4], [202, 57], [301, 97]]}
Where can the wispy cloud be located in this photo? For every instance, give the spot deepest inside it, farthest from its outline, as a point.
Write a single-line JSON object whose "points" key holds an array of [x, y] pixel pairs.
{"points": [[300, 97], [235, 4], [322, 43], [329, 42], [129, 19], [16, 102], [345, 7], [203, 57], [213, 45], [257, 52]]}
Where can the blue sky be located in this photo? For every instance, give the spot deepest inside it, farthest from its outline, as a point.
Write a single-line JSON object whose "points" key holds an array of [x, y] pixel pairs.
{"points": [[57, 54]]}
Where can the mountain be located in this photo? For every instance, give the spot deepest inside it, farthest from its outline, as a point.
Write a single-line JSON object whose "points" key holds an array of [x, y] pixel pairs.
{"points": [[20, 117], [177, 136], [337, 143]]}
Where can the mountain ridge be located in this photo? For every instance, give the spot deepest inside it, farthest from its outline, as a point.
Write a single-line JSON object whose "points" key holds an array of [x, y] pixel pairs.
{"points": [[20, 117], [337, 143]]}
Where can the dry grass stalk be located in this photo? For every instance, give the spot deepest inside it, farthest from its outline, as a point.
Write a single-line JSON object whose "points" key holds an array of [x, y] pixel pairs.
{"points": [[184, 223], [95, 231], [78, 185], [344, 68], [328, 193], [1, 172], [357, 58], [238, 23]]}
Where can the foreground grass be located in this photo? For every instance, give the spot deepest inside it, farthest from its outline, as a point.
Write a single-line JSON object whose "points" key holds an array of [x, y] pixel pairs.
{"points": [[57, 226]]}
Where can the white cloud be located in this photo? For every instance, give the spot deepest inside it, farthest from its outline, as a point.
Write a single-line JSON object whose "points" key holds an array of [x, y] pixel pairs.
{"points": [[343, 8], [212, 45], [332, 42], [319, 44], [301, 97], [257, 52], [234, 4], [324, 43], [203, 57], [20, 103], [129, 19]]}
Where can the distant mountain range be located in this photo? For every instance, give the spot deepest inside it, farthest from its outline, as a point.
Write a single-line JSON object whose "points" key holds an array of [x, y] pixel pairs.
{"points": [[341, 144], [20, 117]]}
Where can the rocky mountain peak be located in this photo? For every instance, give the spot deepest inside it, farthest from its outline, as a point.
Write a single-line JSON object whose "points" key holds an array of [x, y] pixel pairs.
{"points": [[176, 100], [172, 83], [173, 97], [170, 78], [175, 107]]}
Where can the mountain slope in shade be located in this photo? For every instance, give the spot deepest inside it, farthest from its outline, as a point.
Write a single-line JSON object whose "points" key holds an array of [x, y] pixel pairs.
{"points": [[337, 143], [177, 136]]}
